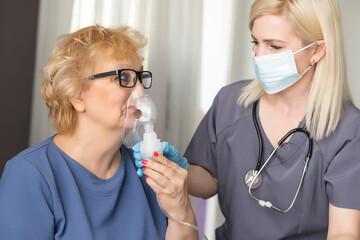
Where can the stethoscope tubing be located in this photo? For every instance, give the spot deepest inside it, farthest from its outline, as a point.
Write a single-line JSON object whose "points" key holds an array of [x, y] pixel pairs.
{"points": [[281, 141], [269, 204], [260, 168]]}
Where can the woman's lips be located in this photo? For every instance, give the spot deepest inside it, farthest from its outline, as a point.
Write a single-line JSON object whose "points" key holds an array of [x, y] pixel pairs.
{"points": [[135, 111]]}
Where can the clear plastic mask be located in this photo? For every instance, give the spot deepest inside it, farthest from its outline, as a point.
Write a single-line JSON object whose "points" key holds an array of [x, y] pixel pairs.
{"points": [[141, 111]]}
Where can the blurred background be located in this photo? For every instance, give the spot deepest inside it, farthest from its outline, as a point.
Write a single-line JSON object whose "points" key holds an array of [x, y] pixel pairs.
{"points": [[195, 48]]}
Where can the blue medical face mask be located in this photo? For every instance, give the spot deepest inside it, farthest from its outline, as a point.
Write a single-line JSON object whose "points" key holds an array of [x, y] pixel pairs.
{"points": [[278, 71]]}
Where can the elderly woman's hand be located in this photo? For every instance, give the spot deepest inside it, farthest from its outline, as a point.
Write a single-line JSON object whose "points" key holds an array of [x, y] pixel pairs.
{"points": [[169, 182], [169, 152]]}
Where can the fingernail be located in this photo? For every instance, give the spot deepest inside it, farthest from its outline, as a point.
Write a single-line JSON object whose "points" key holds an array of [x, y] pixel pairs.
{"points": [[146, 177], [143, 169], [144, 161], [156, 154]]}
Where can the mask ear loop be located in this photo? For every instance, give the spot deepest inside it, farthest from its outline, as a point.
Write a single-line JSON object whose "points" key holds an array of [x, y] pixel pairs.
{"points": [[312, 44], [311, 64], [312, 61]]}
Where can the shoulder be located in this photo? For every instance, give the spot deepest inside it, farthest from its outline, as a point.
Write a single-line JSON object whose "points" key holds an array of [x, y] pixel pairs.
{"points": [[34, 150], [25, 195], [30, 162], [351, 115], [349, 125], [342, 153], [225, 109], [25, 177], [231, 92], [347, 132]]}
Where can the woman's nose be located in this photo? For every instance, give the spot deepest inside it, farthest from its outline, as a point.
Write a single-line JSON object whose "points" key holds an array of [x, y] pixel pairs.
{"points": [[139, 89], [260, 50]]}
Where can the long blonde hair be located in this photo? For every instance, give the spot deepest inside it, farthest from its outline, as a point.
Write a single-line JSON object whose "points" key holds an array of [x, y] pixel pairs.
{"points": [[312, 20], [71, 62]]}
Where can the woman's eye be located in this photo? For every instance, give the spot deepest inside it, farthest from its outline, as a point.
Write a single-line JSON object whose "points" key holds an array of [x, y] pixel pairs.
{"points": [[125, 78], [254, 42], [275, 47]]}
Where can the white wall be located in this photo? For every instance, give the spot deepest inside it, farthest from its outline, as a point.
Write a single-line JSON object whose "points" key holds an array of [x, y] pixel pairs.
{"points": [[54, 20], [350, 10]]}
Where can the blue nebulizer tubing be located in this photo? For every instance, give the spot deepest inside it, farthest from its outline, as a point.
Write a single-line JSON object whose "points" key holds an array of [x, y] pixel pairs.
{"points": [[152, 144]]}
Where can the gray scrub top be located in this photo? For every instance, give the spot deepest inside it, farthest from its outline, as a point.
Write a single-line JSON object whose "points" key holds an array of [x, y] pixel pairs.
{"points": [[226, 144]]}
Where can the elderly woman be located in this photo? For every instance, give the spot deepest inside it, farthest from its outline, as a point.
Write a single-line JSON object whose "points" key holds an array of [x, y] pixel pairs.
{"points": [[81, 183]]}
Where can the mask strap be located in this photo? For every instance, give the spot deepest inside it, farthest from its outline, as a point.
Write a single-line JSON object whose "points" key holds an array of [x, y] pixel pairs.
{"points": [[305, 48], [311, 64]]}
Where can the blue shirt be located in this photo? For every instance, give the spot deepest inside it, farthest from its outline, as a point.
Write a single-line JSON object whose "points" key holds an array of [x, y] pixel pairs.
{"points": [[45, 194]]}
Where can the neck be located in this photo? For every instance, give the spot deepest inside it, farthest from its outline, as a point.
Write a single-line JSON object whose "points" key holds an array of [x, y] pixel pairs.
{"points": [[95, 149]]}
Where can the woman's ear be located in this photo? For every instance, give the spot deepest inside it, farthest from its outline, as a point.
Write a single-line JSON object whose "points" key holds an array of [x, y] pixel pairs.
{"points": [[319, 51], [78, 103]]}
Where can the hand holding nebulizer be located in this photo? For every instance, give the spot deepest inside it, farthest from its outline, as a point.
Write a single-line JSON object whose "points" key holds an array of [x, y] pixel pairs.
{"points": [[143, 115]]}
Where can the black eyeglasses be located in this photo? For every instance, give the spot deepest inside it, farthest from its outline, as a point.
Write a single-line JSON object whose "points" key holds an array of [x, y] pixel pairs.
{"points": [[127, 77]]}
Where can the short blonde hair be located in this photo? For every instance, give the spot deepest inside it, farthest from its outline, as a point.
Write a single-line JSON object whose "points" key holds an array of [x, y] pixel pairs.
{"points": [[72, 61], [312, 20]]}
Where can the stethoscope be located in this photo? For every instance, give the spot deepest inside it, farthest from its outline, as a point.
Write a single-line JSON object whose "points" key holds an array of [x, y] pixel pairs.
{"points": [[253, 178]]}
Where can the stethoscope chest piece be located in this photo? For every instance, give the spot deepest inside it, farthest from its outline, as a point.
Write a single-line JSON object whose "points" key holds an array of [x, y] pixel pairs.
{"points": [[249, 177]]}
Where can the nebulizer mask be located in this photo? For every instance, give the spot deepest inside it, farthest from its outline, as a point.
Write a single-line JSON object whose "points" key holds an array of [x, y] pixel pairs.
{"points": [[139, 127], [139, 121]]}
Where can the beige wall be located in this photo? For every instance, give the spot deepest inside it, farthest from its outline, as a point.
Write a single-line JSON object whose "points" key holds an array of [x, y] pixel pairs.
{"points": [[350, 10]]}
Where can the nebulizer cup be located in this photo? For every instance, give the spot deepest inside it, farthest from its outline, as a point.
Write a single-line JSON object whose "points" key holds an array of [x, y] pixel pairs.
{"points": [[150, 143]]}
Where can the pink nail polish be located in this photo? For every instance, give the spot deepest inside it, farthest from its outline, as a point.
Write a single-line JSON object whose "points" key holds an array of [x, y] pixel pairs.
{"points": [[156, 154], [144, 161]]}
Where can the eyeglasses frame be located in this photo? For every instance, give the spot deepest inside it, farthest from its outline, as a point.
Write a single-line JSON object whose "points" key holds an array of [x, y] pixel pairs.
{"points": [[118, 72]]}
